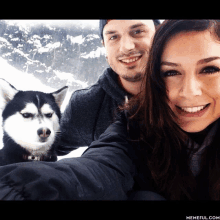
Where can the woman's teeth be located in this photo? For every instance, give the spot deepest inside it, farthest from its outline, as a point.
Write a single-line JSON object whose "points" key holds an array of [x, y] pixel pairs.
{"points": [[130, 60], [193, 109]]}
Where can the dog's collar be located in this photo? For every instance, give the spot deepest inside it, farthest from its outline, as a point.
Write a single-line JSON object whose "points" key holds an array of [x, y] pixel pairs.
{"points": [[38, 158], [34, 158]]}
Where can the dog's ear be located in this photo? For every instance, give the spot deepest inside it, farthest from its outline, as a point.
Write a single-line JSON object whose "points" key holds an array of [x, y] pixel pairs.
{"points": [[7, 93], [60, 95]]}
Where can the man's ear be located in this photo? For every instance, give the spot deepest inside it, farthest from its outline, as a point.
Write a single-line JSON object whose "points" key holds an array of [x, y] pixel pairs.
{"points": [[103, 43]]}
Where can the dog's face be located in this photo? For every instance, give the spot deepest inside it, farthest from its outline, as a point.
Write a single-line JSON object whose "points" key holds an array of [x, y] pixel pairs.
{"points": [[31, 119]]}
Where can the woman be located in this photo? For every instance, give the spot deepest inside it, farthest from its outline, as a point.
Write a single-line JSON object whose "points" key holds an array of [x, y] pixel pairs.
{"points": [[179, 111]]}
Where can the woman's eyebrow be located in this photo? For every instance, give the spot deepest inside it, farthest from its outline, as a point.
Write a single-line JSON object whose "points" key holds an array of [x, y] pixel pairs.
{"points": [[169, 63], [207, 60], [202, 61]]}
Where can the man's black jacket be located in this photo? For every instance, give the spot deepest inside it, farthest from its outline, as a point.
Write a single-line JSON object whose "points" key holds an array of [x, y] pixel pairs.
{"points": [[90, 111]]}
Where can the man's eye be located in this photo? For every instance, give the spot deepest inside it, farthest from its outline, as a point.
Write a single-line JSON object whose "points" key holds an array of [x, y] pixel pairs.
{"points": [[113, 37], [27, 115], [138, 31]]}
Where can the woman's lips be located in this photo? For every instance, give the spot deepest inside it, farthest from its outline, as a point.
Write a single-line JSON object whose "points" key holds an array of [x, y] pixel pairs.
{"points": [[196, 111]]}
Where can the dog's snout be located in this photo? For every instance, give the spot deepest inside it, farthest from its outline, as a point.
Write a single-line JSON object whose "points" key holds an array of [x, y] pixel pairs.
{"points": [[43, 132]]}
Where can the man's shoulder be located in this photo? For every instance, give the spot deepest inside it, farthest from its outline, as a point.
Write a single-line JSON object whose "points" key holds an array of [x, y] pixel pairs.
{"points": [[87, 100], [89, 94]]}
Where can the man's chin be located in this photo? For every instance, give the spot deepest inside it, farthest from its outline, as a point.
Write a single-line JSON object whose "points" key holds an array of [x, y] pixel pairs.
{"points": [[136, 78]]}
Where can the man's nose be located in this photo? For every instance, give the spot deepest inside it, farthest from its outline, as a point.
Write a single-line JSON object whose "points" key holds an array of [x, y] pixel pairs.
{"points": [[127, 44]]}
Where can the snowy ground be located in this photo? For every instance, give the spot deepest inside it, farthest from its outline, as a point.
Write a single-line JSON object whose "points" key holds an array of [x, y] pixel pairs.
{"points": [[24, 81]]}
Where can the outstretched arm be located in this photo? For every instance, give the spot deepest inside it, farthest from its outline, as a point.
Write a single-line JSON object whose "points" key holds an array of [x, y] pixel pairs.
{"points": [[104, 172]]}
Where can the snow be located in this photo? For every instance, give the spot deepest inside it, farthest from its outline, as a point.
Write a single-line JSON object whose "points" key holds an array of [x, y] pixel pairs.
{"points": [[36, 37], [70, 78], [49, 47], [37, 43], [90, 37], [4, 40], [47, 36], [21, 80], [95, 53], [78, 39], [15, 39], [24, 81]]}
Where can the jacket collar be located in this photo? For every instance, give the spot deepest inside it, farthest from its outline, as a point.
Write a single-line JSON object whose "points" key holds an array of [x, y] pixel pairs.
{"points": [[109, 82]]}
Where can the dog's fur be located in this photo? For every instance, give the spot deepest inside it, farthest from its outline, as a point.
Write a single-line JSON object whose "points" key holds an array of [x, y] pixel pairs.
{"points": [[30, 124]]}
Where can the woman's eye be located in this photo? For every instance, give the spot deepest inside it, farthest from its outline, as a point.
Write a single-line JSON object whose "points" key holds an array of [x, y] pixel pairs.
{"points": [[210, 70], [170, 73]]}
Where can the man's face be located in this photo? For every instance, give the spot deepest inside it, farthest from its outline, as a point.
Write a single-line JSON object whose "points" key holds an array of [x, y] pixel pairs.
{"points": [[127, 44]]}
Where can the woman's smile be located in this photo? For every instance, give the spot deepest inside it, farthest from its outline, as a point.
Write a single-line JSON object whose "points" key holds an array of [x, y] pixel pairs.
{"points": [[196, 111]]}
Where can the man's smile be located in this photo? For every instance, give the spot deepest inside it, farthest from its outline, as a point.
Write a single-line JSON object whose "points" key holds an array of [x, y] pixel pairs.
{"points": [[128, 60]]}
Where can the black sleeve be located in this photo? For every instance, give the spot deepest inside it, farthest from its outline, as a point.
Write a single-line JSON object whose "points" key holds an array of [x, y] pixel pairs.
{"points": [[71, 138], [104, 172]]}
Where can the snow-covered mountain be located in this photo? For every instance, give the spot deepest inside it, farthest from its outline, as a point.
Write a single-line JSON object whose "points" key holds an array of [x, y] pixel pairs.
{"points": [[49, 52]]}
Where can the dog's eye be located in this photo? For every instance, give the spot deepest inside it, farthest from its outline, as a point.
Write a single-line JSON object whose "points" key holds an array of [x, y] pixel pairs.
{"points": [[49, 115], [27, 115]]}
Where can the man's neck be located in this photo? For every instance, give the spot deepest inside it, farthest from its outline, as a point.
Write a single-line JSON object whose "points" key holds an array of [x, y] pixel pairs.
{"points": [[131, 87]]}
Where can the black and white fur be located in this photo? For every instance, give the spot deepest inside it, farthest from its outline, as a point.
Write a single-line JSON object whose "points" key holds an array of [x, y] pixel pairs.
{"points": [[30, 124]]}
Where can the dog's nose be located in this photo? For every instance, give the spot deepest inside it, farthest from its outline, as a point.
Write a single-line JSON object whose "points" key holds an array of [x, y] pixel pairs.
{"points": [[43, 132]]}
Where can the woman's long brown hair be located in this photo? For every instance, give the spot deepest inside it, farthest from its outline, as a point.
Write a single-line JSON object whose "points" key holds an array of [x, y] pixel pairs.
{"points": [[166, 143]]}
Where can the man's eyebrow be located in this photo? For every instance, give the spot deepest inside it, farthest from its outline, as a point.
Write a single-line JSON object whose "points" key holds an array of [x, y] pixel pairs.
{"points": [[132, 27], [110, 32], [137, 25]]}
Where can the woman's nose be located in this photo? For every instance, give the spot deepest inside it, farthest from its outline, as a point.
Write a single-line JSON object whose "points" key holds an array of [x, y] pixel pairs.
{"points": [[190, 87]]}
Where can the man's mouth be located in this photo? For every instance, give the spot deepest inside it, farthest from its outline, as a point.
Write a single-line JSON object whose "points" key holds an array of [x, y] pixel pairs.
{"points": [[129, 60]]}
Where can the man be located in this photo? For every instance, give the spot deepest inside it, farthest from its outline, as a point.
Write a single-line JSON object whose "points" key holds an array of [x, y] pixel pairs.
{"points": [[90, 111]]}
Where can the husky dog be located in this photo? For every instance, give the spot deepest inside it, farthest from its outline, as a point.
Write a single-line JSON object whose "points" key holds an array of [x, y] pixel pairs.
{"points": [[30, 122]]}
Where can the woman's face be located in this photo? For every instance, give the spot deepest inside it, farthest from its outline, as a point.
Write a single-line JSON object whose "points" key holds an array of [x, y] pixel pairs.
{"points": [[190, 65]]}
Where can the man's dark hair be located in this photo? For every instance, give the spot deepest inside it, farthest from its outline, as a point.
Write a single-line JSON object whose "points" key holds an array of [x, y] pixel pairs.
{"points": [[103, 22]]}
